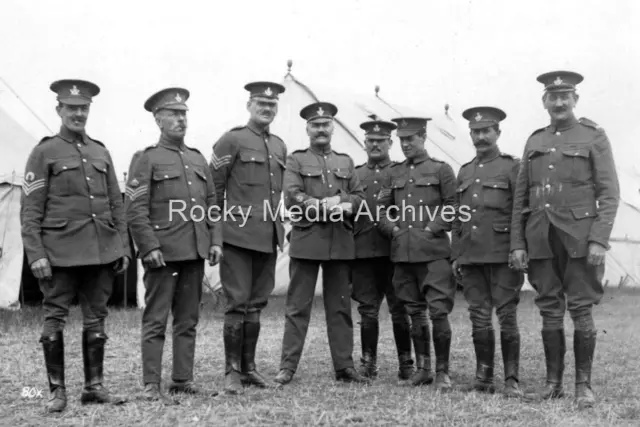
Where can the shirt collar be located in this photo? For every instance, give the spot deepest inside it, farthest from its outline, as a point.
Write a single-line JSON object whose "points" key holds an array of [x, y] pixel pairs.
{"points": [[566, 125], [419, 158], [255, 129], [320, 149], [167, 143], [382, 163], [71, 136]]}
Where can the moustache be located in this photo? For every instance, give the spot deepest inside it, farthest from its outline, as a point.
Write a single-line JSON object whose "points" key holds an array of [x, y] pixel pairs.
{"points": [[559, 110], [322, 134]]}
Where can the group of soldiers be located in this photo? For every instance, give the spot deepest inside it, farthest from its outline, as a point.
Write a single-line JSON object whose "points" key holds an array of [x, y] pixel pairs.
{"points": [[549, 214]]}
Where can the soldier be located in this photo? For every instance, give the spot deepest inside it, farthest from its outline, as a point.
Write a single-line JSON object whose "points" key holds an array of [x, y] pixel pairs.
{"points": [[169, 181], [372, 271], [320, 187], [75, 238], [422, 192], [247, 165], [480, 245], [566, 200]]}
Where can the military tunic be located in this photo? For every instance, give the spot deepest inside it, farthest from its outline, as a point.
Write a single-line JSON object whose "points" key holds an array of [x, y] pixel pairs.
{"points": [[422, 194], [567, 196], [72, 214], [317, 240], [481, 238], [372, 270], [170, 194], [247, 165]]}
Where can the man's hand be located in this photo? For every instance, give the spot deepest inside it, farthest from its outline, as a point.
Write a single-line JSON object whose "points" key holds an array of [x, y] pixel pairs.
{"points": [[519, 260], [330, 202], [457, 273], [597, 253], [154, 259], [41, 269], [395, 231], [215, 255], [345, 207], [121, 265]]}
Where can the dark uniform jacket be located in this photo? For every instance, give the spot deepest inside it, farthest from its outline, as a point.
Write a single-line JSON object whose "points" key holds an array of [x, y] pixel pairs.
{"points": [[311, 175], [568, 179], [247, 166], [170, 203], [71, 206], [482, 230], [422, 194], [370, 242]]}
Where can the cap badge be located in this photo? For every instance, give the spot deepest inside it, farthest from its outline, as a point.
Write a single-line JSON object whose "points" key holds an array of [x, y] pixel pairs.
{"points": [[178, 97], [478, 117], [403, 123], [74, 90], [376, 128], [268, 92], [320, 111], [558, 81], [29, 176]]}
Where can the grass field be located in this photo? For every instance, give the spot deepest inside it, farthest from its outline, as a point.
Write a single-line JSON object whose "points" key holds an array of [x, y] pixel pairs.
{"points": [[314, 398]]}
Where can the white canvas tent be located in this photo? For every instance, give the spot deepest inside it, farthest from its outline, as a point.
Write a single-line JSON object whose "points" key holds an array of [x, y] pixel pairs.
{"points": [[447, 140]]}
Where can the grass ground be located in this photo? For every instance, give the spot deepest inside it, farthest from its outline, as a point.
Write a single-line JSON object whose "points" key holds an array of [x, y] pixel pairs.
{"points": [[314, 398]]}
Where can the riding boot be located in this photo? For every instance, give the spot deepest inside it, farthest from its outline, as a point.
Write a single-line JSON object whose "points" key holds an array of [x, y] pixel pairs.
{"points": [[369, 331], [442, 346], [510, 343], [233, 337], [250, 375], [53, 347], [402, 336], [554, 351], [422, 347], [584, 345]]}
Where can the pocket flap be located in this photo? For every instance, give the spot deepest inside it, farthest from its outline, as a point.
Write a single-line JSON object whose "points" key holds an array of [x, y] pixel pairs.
{"points": [[576, 152], [342, 173], [100, 165], [427, 181], [161, 225], [252, 157], [200, 173], [310, 171], [503, 185], [161, 175], [281, 162], [63, 165], [534, 152], [398, 183], [53, 223], [583, 212], [501, 227]]}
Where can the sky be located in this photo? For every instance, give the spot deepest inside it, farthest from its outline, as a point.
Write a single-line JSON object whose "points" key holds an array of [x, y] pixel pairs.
{"points": [[422, 54]]}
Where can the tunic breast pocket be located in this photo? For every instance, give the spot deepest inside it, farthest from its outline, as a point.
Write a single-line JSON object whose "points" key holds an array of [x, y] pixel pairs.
{"points": [[201, 180], [313, 180], [166, 184], [574, 165], [252, 168], [343, 176], [277, 169], [428, 190], [538, 164], [100, 178], [398, 187], [496, 194], [66, 177]]}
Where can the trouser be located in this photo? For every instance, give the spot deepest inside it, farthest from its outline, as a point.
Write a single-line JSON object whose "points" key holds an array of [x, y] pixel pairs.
{"points": [[372, 282], [92, 284], [337, 305], [492, 285], [422, 286], [487, 286], [175, 288], [248, 278], [565, 283]]}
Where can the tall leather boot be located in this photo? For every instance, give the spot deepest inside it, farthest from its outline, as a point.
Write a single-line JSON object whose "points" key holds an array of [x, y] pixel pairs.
{"points": [[369, 331], [442, 346], [584, 346], [53, 348], [484, 344], [554, 351], [233, 336], [250, 376], [93, 358], [402, 336], [422, 346], [510, 342]]}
